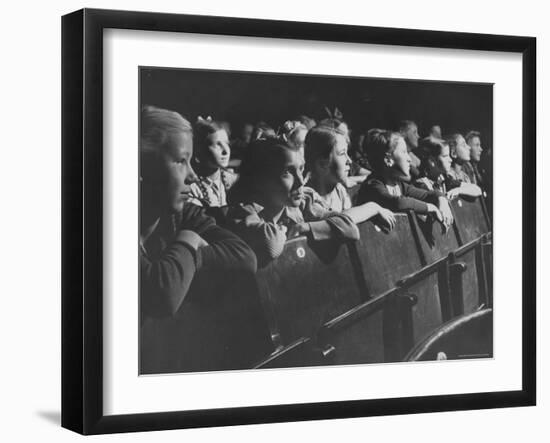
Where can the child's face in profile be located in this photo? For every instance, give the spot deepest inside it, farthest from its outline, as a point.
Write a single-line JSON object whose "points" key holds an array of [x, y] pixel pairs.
{"points": [[285, 186], [175, 173], [476, 149], [401, 161], [462, 150], [411, 136], [217, 150], [444, 158], [339, 161]]}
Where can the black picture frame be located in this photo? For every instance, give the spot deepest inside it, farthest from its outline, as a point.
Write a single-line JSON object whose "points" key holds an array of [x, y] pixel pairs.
{"points": [[82, 220]]}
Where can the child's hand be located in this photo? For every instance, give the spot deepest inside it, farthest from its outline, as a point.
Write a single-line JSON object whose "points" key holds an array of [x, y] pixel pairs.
{"points": [[298, 229], [432, 209], [355, 180], [453, 193], [388, 218], [446, 212]]}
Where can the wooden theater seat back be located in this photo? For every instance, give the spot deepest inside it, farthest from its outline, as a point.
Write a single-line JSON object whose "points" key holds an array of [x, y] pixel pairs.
{"points": [[386, 257], [471, 219], [309, 284]]}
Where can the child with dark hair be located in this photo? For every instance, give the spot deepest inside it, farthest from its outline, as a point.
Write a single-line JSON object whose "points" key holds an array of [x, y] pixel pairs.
{"points": [[389, 185], [177, 239], [435, 171], [328, 163], [268, 201], [212, 154]]}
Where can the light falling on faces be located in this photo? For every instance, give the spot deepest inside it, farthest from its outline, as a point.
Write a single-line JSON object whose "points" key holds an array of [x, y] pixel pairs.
{"points": [[475, 149], [444, 158], [400, 161], [462, 150], [217, 151], [284, 187], [411, 136], [339, 162], [173, 173]]}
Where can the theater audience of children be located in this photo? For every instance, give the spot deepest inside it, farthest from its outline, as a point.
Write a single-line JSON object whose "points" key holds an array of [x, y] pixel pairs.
{"points": [[435, 171], [269, 201], [328, 165]]}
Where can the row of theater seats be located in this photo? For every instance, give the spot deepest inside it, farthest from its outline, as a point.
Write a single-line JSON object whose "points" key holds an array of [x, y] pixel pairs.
{"points": [[385, 298]]}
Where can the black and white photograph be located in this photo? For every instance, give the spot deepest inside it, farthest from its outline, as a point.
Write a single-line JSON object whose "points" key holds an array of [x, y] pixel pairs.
{"points": [[290, 220]]}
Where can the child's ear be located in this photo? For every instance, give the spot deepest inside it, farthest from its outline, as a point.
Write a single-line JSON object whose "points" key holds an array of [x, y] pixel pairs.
{"points": [[388, 161]]}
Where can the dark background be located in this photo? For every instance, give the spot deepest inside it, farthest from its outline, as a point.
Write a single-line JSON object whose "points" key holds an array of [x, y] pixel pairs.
{"points": [[240, 97]]}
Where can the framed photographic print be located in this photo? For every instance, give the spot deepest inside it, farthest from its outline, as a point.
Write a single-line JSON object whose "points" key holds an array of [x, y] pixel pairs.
{"points": [[273, 221]]}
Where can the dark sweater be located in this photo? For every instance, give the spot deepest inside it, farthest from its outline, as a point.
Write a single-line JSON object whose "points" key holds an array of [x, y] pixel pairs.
{"points": [[413, 198], [168, 264]]}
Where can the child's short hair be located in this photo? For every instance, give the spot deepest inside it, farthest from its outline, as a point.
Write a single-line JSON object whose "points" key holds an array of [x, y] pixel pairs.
{"points": [[156, 127], [378, 144], [319, 144], [452, 140], [203, 129], [431, 148], [471, 134], [262, 158]]}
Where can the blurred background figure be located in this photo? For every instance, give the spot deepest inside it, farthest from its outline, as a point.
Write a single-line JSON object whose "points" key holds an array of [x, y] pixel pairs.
{"points": [[409, 131], [435, 131], [473, 169]]}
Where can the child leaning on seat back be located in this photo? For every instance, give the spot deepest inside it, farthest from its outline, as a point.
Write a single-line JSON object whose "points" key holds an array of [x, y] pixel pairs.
{"points": [[389, 184], [267, 202], [328, 163], [436, 168], [177, 240]]}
